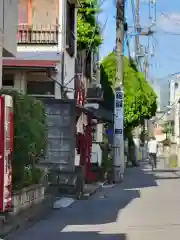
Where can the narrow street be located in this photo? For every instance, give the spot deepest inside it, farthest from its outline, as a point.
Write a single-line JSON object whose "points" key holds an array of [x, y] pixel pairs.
{"points": [[145, 207]]}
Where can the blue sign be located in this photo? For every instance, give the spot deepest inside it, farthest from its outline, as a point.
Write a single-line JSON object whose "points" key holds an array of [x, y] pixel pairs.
{"points": [[109, 131]]}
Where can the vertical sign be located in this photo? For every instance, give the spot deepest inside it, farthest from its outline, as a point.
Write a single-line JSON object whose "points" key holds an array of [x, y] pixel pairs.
{"points": [[6, 141], [119, 115]]}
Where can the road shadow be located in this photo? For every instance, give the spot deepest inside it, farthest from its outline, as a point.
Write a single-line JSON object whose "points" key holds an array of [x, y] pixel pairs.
{"points": [[170, 175], [86, 219], [167, 178], [91, 236], [164, 173], [138, 177], [79, 235], [165, 170]]}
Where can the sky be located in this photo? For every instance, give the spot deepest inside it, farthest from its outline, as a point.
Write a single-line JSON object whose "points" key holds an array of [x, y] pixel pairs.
{"points": [[166, 40]]}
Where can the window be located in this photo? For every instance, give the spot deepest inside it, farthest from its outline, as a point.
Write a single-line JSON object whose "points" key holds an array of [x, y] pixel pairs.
{"points": [[70, 24], [41, 88], [8, 80]]}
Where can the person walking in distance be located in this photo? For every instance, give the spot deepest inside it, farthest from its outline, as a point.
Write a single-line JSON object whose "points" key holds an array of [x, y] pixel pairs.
{"points": [[152, 149]]}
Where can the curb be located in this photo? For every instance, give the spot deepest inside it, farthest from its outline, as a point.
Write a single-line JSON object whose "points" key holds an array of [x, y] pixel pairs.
{"points": [[94, 191], [10, 231]]}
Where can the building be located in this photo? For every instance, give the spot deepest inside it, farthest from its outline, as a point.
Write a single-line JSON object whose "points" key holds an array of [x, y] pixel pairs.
{"points": [[156, 88], [8, 27], [46, 51], [48, 65], [174, 90], [168, 112], [175, 107]]}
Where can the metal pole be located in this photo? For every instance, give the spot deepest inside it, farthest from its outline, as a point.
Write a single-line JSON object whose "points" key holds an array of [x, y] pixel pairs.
{"points": [[119, 96], [146, 122]]}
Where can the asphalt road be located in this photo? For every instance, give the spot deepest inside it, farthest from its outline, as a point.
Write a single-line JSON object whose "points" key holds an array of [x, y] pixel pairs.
{"points": [[145, 207]]}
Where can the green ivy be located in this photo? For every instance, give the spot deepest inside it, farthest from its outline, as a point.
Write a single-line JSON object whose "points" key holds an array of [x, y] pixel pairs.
{"points": [[88, 29]]}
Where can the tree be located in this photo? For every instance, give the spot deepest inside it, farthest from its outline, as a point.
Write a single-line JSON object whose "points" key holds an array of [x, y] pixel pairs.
{"points": [[139, 97], [88, 29]]}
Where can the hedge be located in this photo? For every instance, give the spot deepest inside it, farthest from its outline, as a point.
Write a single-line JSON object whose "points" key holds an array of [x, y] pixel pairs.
{"points": [[29, 137]]}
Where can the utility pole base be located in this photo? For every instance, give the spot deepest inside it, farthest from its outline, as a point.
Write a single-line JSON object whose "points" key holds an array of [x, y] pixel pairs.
{"points": [[118, 176]]}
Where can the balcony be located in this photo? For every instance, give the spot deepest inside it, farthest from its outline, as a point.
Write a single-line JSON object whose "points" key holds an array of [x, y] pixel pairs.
{"points": [[45, 35]]}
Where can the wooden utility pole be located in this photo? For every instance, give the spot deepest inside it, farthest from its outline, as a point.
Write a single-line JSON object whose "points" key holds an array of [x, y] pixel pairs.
{"points": [[119, 95]]}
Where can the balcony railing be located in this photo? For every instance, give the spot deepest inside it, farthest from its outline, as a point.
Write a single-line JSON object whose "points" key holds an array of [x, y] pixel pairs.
{"points": [[30, 34]]}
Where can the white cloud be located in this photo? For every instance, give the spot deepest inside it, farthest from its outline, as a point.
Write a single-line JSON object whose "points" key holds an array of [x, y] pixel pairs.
{"points": [[169, 22]]}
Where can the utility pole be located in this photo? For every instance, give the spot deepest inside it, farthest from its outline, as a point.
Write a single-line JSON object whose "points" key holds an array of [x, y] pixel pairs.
{"points": [[119, 96], [146, 121], [138, 30]]}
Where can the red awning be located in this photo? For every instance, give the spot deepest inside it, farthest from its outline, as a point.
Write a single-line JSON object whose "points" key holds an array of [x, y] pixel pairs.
{"points": [[26, 63]]}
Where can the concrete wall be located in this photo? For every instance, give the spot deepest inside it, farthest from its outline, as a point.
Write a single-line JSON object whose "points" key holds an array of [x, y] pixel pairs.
{"points": [[48, 16], [25, 198], [8, 24]]}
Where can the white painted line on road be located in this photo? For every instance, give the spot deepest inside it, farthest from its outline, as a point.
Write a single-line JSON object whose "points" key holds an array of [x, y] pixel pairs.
{"points": [[63, 202]]}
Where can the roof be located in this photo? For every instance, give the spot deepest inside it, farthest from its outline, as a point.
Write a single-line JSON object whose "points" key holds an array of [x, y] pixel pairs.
{"points": [[29, 63]]}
